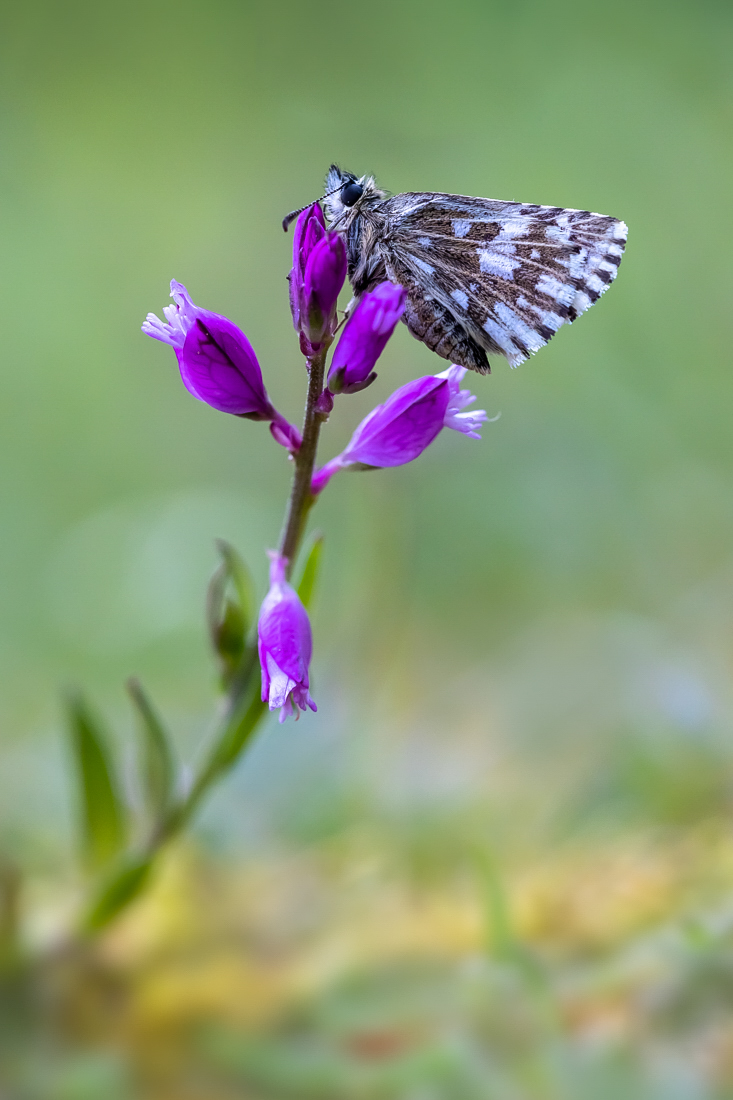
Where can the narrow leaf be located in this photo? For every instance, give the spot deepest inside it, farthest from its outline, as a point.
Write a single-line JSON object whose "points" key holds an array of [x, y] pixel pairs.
{"points": [[102, 813], [230, 611], [308, 578], [231, 634], [242, 579], [215, 602], [10, 884], [156, 763], [121, 887]]}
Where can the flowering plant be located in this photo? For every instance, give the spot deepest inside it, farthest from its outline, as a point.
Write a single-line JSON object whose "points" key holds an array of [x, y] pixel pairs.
{"points": [[263, 659]]}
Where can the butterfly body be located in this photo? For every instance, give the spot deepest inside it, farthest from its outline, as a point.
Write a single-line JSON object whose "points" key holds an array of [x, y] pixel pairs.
{"points": [[482, 276]]}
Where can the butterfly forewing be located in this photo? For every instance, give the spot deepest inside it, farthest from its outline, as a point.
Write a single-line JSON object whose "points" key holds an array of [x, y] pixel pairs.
{"points": [[498, 277], [482, 276]]}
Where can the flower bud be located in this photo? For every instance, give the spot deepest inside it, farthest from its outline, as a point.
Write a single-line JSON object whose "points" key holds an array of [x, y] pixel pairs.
{"points": [[309, 229], [284, 644], [217, 363], [325, 272], [364, 338], [399, 430], [285, 433]]}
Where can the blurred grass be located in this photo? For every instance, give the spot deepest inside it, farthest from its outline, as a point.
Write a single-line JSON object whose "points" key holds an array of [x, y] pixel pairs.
{"points": [[523, 646]]}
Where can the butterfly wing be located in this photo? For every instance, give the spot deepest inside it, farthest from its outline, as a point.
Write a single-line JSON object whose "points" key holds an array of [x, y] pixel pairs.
{"points": [[498, 277]]}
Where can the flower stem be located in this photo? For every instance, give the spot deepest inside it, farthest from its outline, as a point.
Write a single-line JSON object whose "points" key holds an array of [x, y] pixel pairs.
{"points": [[301, 498], [243, 709]]}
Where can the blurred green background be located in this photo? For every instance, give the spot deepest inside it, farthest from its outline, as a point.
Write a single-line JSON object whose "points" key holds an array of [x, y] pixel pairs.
{"points": [[523, 646]]}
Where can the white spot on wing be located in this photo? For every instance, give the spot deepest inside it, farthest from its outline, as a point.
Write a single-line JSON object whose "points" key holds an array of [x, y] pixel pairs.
{"points": [[558, 233], [552, 320], [575, 264], [581, 302], [531, 339], [498, 261], [425, 242], [513, 227], [561, 292], [548, 317], [461, 227], [427, 268], [535, 254], [503, 340], [461, 297]]}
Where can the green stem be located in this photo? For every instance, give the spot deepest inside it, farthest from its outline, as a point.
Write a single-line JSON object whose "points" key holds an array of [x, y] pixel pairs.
{"points": [[301, 498], [243, 709]]}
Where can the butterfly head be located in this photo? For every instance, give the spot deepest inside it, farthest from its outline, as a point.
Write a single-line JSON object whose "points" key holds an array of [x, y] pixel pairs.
{"points": [[346, 194]]}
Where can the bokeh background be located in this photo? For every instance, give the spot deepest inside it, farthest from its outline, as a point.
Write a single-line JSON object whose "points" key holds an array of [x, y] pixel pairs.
{"points": [[498, 863]]}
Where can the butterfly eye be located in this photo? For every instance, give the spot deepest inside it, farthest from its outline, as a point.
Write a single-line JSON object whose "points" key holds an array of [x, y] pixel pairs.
{"points": [[350, 192]]}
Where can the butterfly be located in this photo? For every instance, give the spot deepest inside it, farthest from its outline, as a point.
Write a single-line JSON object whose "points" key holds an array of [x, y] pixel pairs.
{"points": [[482, 277]]}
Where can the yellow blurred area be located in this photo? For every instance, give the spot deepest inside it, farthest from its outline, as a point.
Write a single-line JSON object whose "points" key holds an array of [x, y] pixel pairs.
{"points": [[497, 864], [243, 953]]}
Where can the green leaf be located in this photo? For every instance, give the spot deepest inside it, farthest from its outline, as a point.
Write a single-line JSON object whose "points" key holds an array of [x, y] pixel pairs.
{"points": [[230, 610], [126, 882], [231, 633], [10, 885], [103, 818], [242, 579], [156, 764], [308, 578]]}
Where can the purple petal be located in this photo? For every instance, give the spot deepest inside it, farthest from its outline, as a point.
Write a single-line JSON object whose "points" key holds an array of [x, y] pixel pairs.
{"points": [[178, 318], [325, 273], [314, 234], [310, 228], [455, 417], [295, 294], [284, 644], [284, 433], [401, 429], [322, 477], [219, 366], [305, 218], [365, 337]]}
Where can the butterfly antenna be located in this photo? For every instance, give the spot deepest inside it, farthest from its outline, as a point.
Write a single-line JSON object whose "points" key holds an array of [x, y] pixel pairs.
{"points": [[294, 213]]}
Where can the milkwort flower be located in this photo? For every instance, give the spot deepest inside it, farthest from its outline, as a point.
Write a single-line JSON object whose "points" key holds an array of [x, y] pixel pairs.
{"points": [[399, 430], [309, 229], [316, 278], [217, 363], [284, 644], [365, 337]]}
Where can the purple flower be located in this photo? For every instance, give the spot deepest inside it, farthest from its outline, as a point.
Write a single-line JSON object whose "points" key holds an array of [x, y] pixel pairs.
{"points": [[316, 278], [365, 337], [217, 363], [325, 273], [399, 430], [284, 644], [309, 229]]}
